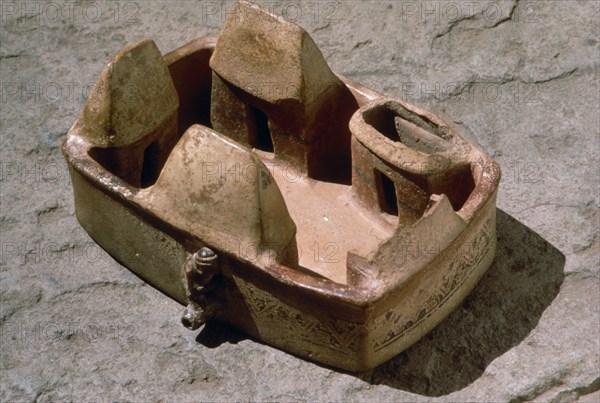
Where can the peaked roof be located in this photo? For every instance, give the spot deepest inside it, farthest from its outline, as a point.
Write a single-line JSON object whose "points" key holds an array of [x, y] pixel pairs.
{"points": [[269, 57]]}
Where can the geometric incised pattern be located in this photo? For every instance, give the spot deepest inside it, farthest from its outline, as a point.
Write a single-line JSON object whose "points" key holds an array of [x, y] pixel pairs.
{"points": [[270, 314], [401, 319], [286, 326]]}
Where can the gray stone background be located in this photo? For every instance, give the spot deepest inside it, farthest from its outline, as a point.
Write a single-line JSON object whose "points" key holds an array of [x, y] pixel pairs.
{"points": [[518, 78]]}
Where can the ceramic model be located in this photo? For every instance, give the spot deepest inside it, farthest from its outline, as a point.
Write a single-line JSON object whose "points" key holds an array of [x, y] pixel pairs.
{"points": [[246, 180]]}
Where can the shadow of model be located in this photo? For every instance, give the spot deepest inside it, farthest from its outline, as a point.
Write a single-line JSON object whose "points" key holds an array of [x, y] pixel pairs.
{"points": [[501, 311]]}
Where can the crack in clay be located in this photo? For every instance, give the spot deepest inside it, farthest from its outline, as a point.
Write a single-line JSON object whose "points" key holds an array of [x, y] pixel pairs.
{"points": [[565, 74], [540, 389], [548, 204], [321, 28], [453, 25], [468, 85], [460, 21], [27, 304], [586, 390], [11, 56], [47, 209], [570, 394], [95, 286], [361, 44], [588, 245], [582, 275], [510, 15]]}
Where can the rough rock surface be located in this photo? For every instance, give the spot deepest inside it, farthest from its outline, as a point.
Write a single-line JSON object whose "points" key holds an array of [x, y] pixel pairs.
{"points": [[519, 78]]}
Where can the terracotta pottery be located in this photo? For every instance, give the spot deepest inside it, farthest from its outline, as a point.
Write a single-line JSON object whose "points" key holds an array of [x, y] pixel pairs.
{"points": [[246, 180]]}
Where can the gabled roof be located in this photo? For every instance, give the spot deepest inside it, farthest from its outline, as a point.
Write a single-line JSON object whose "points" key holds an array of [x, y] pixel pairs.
{"points": [[269, 57]]}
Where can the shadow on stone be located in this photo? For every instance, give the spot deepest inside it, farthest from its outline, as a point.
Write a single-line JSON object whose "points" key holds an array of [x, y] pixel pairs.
{"points": [[503, 309], [215, 333]]}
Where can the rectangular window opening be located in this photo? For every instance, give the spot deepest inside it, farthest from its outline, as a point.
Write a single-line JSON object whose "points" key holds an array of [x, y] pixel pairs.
{"points": [[386, 191], [263, 140], [150, 165]]}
